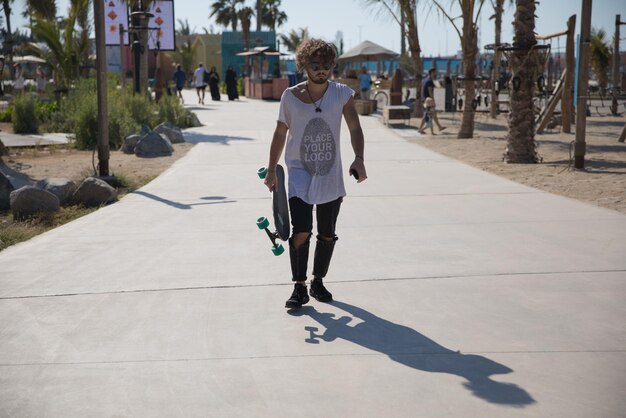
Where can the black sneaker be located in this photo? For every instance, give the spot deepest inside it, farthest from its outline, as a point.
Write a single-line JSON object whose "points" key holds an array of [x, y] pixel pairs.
{"points": [[298, 298], [319, 292]]}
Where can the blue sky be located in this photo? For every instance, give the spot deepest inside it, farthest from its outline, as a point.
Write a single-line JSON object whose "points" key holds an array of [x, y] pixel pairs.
{"points": [[324, 18]]}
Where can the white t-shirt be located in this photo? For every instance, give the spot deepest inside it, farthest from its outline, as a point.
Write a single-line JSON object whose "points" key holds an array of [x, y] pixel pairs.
{"points": [[18, 84], [199, 76], [312, 153]]}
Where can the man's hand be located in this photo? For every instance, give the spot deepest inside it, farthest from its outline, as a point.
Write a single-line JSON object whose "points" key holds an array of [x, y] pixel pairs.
{"points": [[270, 180], [358, 167]]}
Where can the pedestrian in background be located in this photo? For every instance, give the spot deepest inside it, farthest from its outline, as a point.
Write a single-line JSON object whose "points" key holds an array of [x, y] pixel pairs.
{"points": [[231, 83], [18, 81], [180, 78], [199, 80], [365, 84]]}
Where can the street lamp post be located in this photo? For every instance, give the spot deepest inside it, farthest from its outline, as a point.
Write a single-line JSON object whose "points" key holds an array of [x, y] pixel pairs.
{"points": [[583, 73], [101, 75], [139, 28]]}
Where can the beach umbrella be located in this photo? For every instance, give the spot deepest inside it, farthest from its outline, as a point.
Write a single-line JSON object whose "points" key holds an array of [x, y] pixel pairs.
{"points": [[368, 51], [28, 59], [262, 51]]}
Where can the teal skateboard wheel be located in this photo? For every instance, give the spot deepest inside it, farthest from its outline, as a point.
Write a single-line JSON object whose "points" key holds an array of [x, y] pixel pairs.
{"points": [[262, 172], [278, 250], [262, 223]]}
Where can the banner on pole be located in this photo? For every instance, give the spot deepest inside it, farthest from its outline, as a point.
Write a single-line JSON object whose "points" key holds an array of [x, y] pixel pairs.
{"points": [[115, 14], [161, 24]]}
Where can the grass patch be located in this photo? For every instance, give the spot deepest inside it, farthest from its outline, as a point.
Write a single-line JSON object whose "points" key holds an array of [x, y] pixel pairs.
{"points": [[13, 232]]}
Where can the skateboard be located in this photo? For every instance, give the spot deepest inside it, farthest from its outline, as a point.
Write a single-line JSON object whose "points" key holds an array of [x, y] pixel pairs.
{"points": [[280, 209]]}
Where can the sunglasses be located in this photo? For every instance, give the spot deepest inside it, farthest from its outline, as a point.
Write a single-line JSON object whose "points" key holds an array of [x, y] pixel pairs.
{"points": [[316, 66]]}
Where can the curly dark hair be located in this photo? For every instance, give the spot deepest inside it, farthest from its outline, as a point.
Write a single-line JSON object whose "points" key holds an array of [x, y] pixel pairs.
{"points": [[315, 48]]}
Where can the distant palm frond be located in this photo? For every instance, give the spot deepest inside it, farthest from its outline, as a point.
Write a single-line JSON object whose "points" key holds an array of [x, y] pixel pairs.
{"points": [[294, 38]]}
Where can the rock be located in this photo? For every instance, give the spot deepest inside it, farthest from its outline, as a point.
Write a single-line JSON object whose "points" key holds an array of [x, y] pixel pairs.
{"points": [[129, 144], [61, 188], [192, 120], [554, 122], [94, 192], [30, 200], [172, 132], [145, 129], [5, 191], [3, 149], [153, 145]]}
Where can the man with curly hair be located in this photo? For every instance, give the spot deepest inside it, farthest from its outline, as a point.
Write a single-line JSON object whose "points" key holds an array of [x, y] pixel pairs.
{"points": [[308, 128]]}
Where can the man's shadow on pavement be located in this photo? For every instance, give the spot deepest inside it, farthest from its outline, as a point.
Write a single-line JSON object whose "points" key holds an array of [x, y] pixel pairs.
{"points": [[412, 349]]}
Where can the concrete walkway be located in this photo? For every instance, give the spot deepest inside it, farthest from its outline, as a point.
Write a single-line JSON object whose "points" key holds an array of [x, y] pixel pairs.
{"points": [[13, 140], [458, 293]]}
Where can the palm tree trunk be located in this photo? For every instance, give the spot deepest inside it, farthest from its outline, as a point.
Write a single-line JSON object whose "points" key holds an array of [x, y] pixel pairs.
{"points": [[259, 14], [470, 50], [495, 76], [408, 12], [521, 138], [6, 4]]}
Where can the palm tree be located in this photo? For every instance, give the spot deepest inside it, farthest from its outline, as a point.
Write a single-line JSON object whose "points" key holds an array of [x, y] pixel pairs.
{"points": [[272, 16], [61, 54], [600, 56], [245, 17], [40, 8], [8, 40], [468, 35], [184, 29], [81, 10], [259, 4], [521, 146], [408, 9], [294, 38], [408, 26], [498, 8], [186, 55], [226, 12]]}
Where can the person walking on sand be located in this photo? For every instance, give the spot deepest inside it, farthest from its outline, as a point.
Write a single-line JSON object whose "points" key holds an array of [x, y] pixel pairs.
{"points": [[199, 80], [18, 83], [365, 84], [428, 90], [427, 119], [179, 79], [41, 81], [308, 127]]}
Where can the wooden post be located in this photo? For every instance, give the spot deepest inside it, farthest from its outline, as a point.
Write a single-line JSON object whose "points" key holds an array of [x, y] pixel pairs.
{"points": [[101, 75], [122, 58], [616, 57], [622, 137], [567, 102], [583, 84], [546, 113], [495, 76]]}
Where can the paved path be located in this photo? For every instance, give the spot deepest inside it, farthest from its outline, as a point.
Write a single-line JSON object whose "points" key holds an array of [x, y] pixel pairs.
{"points": [[458, 293], [13, 140]]}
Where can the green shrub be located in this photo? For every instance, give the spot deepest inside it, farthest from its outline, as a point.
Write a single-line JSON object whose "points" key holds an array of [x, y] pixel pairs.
{"points": [[24, 117], [85, 123], [170, 110], [121, 124], [45, 111], [77, 113], [7, 115], [141, 109]]}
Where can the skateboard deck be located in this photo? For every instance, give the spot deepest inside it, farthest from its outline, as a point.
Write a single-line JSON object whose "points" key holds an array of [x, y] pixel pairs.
{"points": [[280, 207]]}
